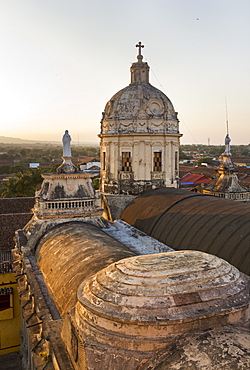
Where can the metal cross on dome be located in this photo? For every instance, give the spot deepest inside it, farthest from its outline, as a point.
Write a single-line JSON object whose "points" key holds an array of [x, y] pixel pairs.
{"points": [[140, 46]]}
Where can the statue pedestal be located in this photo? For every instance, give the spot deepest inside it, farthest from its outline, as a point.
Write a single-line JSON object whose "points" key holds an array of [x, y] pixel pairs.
{"points": [[67, 166]]}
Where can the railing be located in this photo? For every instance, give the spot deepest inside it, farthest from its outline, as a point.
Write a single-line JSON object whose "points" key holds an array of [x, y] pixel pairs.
{"points": [[61, 205], [233, 196]]}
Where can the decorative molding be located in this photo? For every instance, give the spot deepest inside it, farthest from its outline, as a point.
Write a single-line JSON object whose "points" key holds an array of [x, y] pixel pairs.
{"points": [[126, 144], [157, 143], [157, 175], [155, 107], [126, 175], [172, 126], [125, 124], [157, 123]]}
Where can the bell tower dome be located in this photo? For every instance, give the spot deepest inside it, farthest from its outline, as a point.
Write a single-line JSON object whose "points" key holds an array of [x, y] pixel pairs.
{"points": [[139, 137]]}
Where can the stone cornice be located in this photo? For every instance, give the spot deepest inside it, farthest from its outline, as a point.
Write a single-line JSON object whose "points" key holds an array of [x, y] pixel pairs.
{"points": [[165, 133], [75, 175]]}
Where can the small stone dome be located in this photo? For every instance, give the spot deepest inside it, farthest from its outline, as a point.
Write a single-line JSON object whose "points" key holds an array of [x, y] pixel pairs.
{"points": [[143, 302]]}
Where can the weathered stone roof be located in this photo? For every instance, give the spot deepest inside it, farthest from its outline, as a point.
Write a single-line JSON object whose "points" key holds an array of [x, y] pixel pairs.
{"points": [[132, 101], [146, 301], [72, 252], [186, 220], [223, 348]]}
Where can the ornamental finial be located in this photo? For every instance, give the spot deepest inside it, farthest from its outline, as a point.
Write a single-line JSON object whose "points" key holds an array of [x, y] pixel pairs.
{"points": [[140, 46]]}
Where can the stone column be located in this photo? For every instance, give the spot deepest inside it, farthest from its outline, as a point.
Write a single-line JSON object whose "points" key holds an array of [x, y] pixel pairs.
{"points": [[112, 160], [142, 160], [136, 158], [116, 159], [148, 160], [167, 167], [172, 162]]}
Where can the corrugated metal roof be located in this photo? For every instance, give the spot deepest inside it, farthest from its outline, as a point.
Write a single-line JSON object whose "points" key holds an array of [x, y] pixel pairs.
{"points": [[186, 220]]}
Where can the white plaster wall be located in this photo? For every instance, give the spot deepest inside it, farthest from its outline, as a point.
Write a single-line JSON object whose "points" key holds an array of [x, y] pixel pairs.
{"points": [[142, 148]]}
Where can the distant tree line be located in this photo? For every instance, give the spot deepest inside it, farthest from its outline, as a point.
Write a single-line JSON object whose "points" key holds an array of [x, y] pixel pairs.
{"points": [[13, 156], [14, 160], [17, 152], [216, 150], [22, 185], [25, 181]]}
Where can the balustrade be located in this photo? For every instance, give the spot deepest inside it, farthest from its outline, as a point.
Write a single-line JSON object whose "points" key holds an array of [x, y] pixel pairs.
{"points": [[67, 205]]}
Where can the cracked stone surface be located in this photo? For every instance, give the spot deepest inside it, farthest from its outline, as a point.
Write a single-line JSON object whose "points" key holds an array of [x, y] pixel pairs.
{"points": [[225, 348], [160, 296]]}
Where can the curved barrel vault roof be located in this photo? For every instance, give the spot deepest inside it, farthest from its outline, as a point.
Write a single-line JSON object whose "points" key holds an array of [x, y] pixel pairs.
{"points": [[186, 220], [72, 252]]}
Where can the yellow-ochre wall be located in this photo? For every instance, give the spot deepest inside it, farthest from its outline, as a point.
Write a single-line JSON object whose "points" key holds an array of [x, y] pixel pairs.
{"points": [[10, 319]]}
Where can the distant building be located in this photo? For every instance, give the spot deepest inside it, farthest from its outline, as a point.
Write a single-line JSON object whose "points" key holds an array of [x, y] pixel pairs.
{"points": [[90, 164], [193, 180], [34, 165]]}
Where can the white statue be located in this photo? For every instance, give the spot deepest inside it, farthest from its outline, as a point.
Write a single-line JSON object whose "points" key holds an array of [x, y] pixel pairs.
{"points": [[227, 146], [66, 144]]}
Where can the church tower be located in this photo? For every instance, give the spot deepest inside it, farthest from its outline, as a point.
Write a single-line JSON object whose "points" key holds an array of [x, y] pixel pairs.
{"points": [[139, 137], [226, 183]]}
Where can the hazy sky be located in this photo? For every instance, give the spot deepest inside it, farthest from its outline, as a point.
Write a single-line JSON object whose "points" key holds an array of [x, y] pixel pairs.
{"points": [[62, 60]]}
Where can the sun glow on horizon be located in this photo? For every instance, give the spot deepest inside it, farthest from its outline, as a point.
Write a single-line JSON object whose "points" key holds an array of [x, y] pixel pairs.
{"points": [[56, 75]]}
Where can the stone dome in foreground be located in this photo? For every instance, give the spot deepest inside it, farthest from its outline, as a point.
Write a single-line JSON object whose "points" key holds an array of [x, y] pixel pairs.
{"points": [[227, 348], [142, 303]]}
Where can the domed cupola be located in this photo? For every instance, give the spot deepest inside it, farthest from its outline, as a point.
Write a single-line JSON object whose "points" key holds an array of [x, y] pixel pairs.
{"points": [[139, 107], [139, 121], [140, 304]]}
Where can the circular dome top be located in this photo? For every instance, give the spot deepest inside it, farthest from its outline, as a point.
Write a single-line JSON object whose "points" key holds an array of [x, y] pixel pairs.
{"points": [[139, 107], [160, 296], [139, 100]]}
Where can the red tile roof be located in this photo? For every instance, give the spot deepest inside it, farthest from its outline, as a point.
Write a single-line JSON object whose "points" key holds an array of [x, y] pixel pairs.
{"points": [[211, 173], [194, 179]]}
